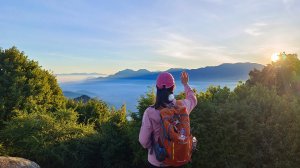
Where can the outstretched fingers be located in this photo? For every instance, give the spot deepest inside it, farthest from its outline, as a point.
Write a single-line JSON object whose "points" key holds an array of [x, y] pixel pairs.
{"points": [[184, 77]]}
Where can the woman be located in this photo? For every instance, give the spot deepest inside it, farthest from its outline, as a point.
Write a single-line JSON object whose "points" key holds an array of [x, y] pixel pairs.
{"points": [[165, 86]]}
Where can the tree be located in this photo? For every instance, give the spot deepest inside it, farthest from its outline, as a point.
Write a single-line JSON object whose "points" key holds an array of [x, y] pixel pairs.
{"points": [[93, 111], [283, 75], [115, 144], [52, 140], [25, 86], [208, 121], [250, 127]]}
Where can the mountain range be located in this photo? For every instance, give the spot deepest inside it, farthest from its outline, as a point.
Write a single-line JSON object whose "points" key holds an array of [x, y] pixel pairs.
{"points": [[226, 71]]}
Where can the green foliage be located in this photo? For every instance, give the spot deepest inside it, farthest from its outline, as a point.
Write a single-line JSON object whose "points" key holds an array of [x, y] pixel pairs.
{"points": [[115, 151], [283, 75], [269, 120], [249, 127], [255, 125], [50, 140], [207, 121], [92, 112], [143, 103], [139, 154], [24, 86], [2, 150]]}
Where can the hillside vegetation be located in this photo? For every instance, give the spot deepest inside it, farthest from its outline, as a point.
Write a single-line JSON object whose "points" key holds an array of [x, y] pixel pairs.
{"points": [[255, 125]]}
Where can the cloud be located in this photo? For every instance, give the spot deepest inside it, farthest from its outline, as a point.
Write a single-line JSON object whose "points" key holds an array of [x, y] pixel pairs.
{"points": [[290, 5], [175, 50], [165, 65], [288, 2], [175, 46], [155, 65], [253, 31], [69, 57], [182, 47], [260, 24], [256, 29]]}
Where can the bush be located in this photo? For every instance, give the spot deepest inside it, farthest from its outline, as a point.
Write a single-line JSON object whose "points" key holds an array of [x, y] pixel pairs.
{"points": [[25, 86], [51, 141], [93, 111], [249, 127]]}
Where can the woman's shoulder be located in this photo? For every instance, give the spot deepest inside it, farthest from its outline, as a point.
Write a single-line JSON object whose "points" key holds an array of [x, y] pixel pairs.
{"points": [[152, 112], [150, 109]]}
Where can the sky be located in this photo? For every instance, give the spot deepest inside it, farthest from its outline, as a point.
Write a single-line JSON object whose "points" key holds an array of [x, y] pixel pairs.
{"points": [[87, 36]]}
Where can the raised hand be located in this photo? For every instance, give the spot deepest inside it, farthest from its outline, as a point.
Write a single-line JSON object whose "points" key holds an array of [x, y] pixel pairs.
{"points": [[184, 78]]}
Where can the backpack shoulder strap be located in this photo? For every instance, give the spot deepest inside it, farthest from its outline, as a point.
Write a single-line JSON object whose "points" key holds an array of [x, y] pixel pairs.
{"points": [[179, 103]]}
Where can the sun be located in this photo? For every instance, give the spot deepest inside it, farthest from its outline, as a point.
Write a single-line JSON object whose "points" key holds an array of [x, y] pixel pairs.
{"points": [[275, 57]]}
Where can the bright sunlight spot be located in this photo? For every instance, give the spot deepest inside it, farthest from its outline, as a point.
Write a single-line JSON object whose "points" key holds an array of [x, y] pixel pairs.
{"points": [[275, 57]]}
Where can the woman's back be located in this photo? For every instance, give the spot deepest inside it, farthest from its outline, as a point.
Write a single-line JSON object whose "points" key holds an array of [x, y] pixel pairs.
{"points": [[151, 123]]}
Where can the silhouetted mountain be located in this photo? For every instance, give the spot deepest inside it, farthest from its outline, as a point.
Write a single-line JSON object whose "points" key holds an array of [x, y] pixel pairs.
{"points": [[83, 98], [176, 69], [237, 71], [70, 94], [127, 73], [227, 71], [79, 93]]}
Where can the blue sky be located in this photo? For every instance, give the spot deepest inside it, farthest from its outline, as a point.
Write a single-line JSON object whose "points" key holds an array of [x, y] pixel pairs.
{"points": [[107, 36]]}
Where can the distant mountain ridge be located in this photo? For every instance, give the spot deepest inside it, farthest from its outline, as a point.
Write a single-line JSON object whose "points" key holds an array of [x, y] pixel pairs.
{"points": [[83, 98], [226, 71], [129, 73]]}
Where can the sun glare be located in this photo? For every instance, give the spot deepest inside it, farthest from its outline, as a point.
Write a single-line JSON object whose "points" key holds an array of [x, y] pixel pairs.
{"points": [[275, 57]]}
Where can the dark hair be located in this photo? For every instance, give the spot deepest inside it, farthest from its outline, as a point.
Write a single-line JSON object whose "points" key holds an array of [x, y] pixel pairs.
{"points": [[162, 97]]}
